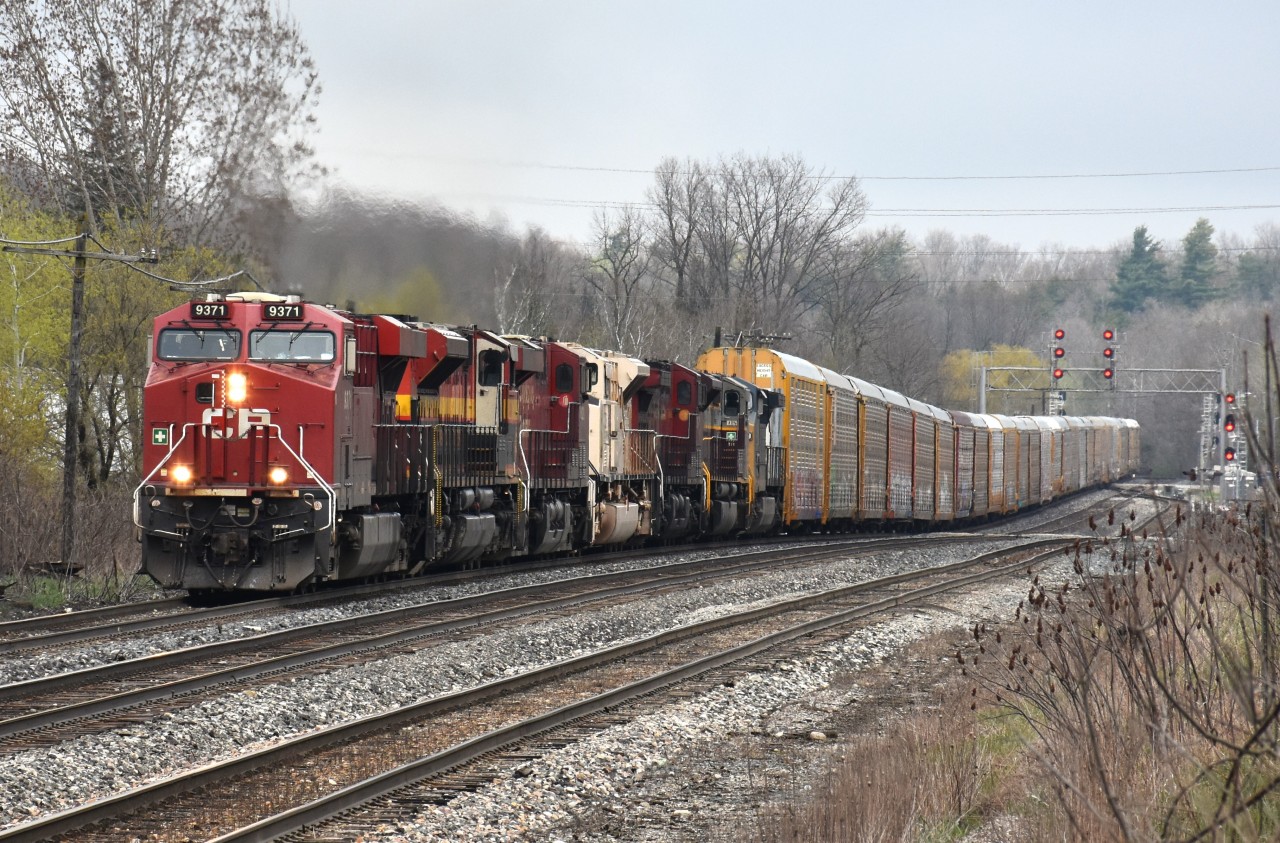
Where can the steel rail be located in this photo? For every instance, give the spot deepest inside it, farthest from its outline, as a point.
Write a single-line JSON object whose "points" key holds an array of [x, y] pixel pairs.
{"points": [[124, 803], [657, 577], [1085, 512], [32, 626], [26, 633], [351, 797], [11, 630]]}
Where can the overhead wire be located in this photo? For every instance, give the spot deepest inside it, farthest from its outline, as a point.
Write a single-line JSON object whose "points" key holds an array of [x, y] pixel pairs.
{"points": [[877, 213], [183, 285], [58, 242], [613, 204], [539, 165], [195, 285]]}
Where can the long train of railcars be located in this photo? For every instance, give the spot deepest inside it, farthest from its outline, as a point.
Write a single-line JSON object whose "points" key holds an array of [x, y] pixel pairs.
{"points": [[287, 443]]}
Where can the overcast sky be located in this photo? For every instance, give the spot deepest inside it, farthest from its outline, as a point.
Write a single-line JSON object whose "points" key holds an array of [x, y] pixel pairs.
{"points": [[540, 112]]}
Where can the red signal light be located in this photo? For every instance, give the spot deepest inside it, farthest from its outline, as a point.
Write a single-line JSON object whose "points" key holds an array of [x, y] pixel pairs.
{"points": [[1229, 455], [1108, 373], [1059, 334], [1059, 352], [1057, 374], [1229, 423], [1108, 353], [1108, 335], [1231, 398]]}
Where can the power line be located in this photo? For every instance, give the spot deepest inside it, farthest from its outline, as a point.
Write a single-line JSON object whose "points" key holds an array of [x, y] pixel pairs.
{"points": [[57, 242], [611, 204], [539, 165], [192, 286], [1049, 253], [1058, 212], [129, 261], [1138, 174]]}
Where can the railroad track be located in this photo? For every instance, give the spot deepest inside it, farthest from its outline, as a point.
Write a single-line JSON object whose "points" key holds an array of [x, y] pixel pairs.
{"points": [[1074, 520], [48, 711], [51, 624], [486, 718], [48, 632], [355, 656]]}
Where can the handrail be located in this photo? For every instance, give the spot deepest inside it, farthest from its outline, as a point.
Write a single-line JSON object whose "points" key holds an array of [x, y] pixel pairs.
{"points": [[137, 499], [528, 473], [315, 475]]}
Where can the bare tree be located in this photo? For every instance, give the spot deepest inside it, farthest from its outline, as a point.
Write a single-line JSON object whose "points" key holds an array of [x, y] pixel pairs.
{"points": [[680, 193], [619, 278], [720, 246], [788, 226], [176, 111], [906, 359], [868, 285], [528, 284], [938, 258]]}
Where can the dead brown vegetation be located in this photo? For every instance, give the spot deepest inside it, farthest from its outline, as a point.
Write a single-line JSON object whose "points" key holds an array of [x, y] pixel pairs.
{"points": [[30, 530], [1136, 700]]}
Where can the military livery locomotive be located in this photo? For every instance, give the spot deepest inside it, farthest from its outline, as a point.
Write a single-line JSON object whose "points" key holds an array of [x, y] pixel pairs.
{"points": [[288, 443]]}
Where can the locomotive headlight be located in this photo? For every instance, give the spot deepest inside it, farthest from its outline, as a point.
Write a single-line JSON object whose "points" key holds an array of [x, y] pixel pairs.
{"points": [[278, 475], [180, 474], [237, 387]]}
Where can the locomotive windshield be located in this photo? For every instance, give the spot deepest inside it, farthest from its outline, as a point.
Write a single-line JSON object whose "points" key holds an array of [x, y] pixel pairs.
{"points": [[292, 346], [189, 344]]}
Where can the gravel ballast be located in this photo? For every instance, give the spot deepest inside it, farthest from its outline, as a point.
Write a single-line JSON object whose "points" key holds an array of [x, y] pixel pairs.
{"points": [[46, 780], [547, 796], [27, 665], [631, 776]]}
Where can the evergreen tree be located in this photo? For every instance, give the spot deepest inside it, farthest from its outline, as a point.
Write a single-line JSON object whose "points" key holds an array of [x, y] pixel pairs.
{"points": [[1141, 276], [1199, 266], [1258, 276]]}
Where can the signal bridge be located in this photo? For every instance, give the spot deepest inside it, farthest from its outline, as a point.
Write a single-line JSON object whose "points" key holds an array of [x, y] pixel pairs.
{"points": [[1221, 449], [1131, 381]]}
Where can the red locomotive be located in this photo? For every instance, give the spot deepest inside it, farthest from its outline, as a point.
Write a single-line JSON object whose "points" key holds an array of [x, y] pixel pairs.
{"points": [[290, 443]]}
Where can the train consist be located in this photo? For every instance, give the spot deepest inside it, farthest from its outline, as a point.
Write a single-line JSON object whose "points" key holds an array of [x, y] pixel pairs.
{"points": [[289, 443]]}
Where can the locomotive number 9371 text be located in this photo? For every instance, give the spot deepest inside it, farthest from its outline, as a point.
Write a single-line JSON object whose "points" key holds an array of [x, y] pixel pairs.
{"points": [[208, 310], [282, 311]]}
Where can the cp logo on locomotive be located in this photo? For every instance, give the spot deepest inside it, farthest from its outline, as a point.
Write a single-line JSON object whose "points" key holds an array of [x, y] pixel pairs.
{"points": [[230, 423]]}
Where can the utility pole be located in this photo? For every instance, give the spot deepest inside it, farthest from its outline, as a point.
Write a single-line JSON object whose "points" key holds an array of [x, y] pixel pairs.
{"points": [[80, 257], [71, 441]]}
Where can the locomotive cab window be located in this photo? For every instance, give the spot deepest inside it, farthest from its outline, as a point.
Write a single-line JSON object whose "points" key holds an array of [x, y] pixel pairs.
{"points": [[684, 393], [292, 346], [191, 345], [732, 404], [564, 378], [491, 363]]}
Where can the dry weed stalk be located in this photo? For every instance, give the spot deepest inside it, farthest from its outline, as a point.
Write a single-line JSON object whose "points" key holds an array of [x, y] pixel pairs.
{"points": [[1149, 678], [1144, 682]]}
